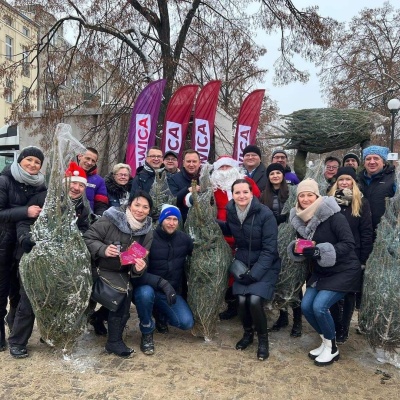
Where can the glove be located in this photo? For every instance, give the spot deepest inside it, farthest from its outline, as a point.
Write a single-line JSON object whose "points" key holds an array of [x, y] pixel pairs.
{"points": [[169, 291], [281, 218], [246, 279], [27, 244], [312, 252]]}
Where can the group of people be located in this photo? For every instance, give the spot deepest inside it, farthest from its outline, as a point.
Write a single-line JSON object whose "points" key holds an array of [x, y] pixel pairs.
{"points": [[250, 199]]}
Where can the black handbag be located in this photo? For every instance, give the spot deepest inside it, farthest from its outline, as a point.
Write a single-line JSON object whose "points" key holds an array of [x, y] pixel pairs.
{"points": [[108, 296], [238, 268]]}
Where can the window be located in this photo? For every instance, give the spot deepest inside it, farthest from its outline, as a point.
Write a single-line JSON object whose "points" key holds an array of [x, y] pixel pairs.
{"points": [[9, 48], [7, 20], [25, 31], [25, 62], [9, 91], [25, 98]]}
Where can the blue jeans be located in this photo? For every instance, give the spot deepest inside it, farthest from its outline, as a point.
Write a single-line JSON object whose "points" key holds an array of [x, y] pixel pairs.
{"points": [[315, 307], [178, 315]]}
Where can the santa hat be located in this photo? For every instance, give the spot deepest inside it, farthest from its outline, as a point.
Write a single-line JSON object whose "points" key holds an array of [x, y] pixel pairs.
{"points": [[75, 173], [225, 160]]}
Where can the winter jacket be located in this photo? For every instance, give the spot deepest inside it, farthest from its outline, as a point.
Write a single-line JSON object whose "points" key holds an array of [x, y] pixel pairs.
{"points": [[263, 257], [14, 197], [113, 227], [376, 189], [144, 178], [179, 185], [361, 227], [96, 192], [118, 195], [338, 269], [167, 258], [290, 177], [259, 176]]}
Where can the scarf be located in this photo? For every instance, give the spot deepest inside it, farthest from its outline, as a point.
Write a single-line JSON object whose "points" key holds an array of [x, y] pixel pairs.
{"points": [[344, 197], [242, 214], [308, 213], [21, 176], [134, 224]]}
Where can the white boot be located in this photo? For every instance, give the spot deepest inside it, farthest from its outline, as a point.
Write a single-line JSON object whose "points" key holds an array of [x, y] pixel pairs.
{"points": [[313, 354], [329, 354]]}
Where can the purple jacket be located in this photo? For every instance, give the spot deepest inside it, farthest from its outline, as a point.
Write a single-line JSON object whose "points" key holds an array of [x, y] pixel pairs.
{"points": [[96, 192], [291, 177]]}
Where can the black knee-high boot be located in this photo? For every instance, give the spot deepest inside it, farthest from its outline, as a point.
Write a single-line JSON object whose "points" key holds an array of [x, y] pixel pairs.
{"points": [[260, 322], [348, 309], [245, 317], [297, 322]]}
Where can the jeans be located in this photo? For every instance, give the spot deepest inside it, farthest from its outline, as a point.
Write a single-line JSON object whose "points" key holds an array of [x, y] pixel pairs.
{"points": [[178, 315], [315, 306]]}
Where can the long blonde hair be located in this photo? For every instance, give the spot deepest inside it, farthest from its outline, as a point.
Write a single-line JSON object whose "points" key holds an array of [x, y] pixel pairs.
{"points": [[356, 202]]}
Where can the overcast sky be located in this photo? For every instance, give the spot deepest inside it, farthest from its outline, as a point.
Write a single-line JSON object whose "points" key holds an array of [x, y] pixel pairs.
{"points": [[297, 95]]}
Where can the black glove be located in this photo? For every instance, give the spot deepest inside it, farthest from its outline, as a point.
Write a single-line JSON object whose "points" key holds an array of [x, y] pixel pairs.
{"points": [[246, 279], [27, 244], [312, 252], [169, 291], [282, 218]]}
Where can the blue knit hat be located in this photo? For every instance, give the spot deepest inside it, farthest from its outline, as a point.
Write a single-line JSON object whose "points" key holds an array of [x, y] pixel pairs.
{"points": [[168, 210], [378, 150]]}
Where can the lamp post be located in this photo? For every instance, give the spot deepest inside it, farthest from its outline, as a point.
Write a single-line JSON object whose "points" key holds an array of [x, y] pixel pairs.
{"points": [[393, 106]]}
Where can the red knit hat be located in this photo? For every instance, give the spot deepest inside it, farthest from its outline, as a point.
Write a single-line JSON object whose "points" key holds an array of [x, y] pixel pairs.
{"points": [[225, 160], [75, 173]]}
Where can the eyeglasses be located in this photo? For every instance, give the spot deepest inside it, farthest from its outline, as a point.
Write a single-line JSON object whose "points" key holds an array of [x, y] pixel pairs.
{"points": [[249, 155], [154, 157], [171, 159], [122, 175], [279, 157], [331, 168]]}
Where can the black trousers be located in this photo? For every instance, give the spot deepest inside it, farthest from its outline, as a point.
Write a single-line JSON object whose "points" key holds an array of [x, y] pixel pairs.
{"points": [[251, 313]]}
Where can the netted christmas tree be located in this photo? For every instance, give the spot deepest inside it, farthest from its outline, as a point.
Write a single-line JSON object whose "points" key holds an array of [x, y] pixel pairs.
{"points": [[380, 306], [56, 274], [293, 274], [212, 256]]}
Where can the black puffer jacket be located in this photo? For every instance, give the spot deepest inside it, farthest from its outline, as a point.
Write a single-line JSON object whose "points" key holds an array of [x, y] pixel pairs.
{"points": [[376, 189], [265, 263], [118, 195], [144, 179], [110, 228], [167, 259], [14, 197], [339, 268]]}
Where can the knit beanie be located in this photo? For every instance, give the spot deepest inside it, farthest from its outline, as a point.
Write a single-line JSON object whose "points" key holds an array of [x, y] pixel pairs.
{"points": [[351, 155], [377, 150], [346, 171], [275, 167], [31, 151], [168, 210], [308, 185], [225, 160], [251, 148], [279, 152]]}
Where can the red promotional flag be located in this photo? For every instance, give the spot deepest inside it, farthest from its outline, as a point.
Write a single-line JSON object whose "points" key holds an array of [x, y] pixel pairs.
{"points": [[246, 129], [177, 119], [143, 125], [204, 119]]}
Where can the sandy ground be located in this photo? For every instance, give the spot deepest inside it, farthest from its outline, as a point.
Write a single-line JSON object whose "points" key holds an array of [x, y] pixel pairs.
{"points": [[185, 367]]}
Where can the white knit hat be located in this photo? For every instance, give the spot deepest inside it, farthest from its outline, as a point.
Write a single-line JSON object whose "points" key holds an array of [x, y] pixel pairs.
{"points": [[225, 160], [308, 185]]}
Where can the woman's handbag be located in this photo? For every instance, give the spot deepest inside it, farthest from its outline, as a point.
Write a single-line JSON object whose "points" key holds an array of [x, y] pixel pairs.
{"points": [[238, 267], [107, 295]]}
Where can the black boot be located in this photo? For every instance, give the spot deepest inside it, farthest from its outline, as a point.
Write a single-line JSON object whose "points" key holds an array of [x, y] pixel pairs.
{"points": [[97, 321], [115, 344], [2, 335], [246, 340], [18, 351], [263, 347], [297, 322], [147, 343], [348, 309], [161, 324], [9, 319], [282, 321], [230, 312]]}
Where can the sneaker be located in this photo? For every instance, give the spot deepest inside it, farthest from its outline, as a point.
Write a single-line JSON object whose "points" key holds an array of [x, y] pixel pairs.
{"points": [[147, 344]]}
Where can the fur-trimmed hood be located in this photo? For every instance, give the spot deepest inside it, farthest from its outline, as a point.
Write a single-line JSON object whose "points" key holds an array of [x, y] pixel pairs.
{"points": [[328, 207], [117, 216], [115, 189]]}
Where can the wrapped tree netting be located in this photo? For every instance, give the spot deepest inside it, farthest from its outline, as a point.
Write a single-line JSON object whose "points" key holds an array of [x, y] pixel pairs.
{"points": [[293, 274], [212, 256], [321, 130], [161, 194], [56, 274], [380, 306]]}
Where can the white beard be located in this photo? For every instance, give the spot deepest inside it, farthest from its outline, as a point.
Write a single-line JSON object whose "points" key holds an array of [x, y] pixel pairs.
{"points": [[223, 179]]}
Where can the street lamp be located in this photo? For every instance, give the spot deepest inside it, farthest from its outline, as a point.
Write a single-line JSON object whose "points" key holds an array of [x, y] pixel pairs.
{"points": [[393, 106]]}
